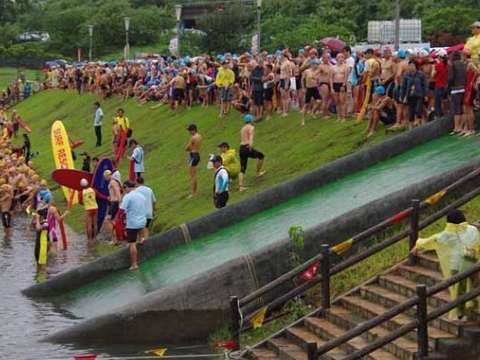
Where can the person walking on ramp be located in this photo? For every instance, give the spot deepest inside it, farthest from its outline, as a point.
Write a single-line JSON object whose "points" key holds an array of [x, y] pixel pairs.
{"points": [[247, 151]]}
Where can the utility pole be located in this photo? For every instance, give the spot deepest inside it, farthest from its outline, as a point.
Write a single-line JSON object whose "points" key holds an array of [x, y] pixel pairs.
{"points": [[90, 34], [178, 16], [259, 27], [397, 25], [127, 40]]}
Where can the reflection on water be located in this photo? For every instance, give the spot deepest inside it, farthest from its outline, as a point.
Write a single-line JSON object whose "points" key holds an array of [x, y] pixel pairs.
{"points": [[272, 225]]}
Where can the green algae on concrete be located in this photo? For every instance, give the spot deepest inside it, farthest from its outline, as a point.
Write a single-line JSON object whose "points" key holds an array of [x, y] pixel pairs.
{"points": [[267, 227]]}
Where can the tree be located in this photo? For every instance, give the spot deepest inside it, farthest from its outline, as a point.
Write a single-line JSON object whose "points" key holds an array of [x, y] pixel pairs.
{"points": [[225, 28], [448, 25]]}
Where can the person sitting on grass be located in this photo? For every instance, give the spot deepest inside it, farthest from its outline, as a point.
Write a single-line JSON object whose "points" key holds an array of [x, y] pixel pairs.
{"points": [[382, 109], [457, 248]]}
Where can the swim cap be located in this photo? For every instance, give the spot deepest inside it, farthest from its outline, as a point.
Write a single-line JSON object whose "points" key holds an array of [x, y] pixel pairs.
{"points": [[379, 90], [45, 195], [248, 118], [84, 183], [402, 54]]}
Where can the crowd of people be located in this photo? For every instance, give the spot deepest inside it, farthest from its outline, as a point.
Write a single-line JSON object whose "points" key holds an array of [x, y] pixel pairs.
{"points": [[402, 89]]}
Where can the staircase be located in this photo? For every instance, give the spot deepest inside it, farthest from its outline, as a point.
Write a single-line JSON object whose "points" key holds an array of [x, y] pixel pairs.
{"points": [[393, 287]]}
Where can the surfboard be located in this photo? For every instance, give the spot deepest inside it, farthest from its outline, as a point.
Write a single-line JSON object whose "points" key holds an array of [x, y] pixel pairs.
{"points": [[366, 101], [23, 125], [64, 235], [42, 256], [119, 225], [131, 171], [70, 178], [62, 154], [100, 185], [76, 143], [122, 143]]}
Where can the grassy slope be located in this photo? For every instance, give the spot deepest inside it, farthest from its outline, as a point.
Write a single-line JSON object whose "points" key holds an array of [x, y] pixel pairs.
{"points": [[8, 74], [290, 150]]}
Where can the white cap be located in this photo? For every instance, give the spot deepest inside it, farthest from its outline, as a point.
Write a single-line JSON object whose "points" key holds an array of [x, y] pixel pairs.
{"points": [[84, 183]]}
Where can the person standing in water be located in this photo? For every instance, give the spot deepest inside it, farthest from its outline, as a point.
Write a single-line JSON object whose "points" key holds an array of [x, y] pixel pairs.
{"points": [[91, 209], [247, 134], [193, 147], [6, 202], [114, 197]]}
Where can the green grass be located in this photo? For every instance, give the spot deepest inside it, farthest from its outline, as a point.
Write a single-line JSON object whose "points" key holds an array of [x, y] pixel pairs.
{"points": [[290, 149], [8, 74]]}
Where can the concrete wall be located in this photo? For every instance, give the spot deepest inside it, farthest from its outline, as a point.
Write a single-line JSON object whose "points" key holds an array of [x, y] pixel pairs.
{"points": [[216, 220], [194, 308]]}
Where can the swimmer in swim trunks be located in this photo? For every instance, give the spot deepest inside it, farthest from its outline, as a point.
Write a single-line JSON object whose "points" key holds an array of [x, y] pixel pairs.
{"points": [[247, 151], [6, 202], [193, 147]]}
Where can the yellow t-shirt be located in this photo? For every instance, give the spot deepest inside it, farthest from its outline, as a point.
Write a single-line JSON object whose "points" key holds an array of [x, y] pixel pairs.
{"points": [[123, 122], [225, 77], [231, 163], [473, 44], [89, 199]]}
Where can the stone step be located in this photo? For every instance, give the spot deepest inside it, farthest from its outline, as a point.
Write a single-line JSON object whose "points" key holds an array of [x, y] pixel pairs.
{"points": [[403, 348], [302, 336], [371, 309], [328, 331], [407, 288], [429, 260], [286, 349], [420, 275], [261, 353]]}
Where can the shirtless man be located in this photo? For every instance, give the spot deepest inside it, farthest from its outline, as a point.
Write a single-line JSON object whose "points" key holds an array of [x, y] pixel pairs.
{"points": [[6, 202], [193, 147], [312, 95], [338, 84], [400, 71], [286, 73], [114, 198], [387, 75], [247, 134], [382, 109], [324, 70], [178, 85]]}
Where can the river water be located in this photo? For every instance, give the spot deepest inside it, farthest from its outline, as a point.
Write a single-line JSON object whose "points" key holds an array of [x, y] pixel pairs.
{"points": [[25, 322]]}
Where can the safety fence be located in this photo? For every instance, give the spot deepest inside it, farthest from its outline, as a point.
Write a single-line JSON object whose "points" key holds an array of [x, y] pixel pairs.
{"points": [[249, 312]]}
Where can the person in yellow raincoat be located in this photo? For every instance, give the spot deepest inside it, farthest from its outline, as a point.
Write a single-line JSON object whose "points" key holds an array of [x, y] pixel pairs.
{"points": [[457, 248], [230, 160]]}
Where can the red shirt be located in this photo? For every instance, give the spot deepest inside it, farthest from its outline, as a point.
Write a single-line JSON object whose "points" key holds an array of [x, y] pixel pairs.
{"points": [[441, 75]]}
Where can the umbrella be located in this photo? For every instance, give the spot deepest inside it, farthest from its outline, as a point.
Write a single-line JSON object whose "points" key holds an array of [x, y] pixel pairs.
{"points": [[333, 43], [455, 48]]}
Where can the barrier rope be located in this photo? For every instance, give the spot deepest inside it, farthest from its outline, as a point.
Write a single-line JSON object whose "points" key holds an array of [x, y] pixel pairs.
{"points": [[186, 233]]}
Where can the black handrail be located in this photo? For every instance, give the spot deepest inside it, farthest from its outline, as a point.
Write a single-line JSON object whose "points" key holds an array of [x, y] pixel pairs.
{"points": [[396, 310], [411, 213]]}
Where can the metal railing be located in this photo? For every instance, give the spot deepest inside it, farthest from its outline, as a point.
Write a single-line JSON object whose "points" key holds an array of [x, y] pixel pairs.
{"points": [[243, 310]]}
